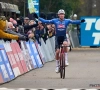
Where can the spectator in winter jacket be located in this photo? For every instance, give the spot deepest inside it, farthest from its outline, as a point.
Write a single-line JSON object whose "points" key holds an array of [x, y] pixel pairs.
{"points": [[3, 27], [10, 25], [26, 21], [14, 22], [28, 27], [23, 29], [31, 31], [51, 30], [12, 30], [42, 32]]}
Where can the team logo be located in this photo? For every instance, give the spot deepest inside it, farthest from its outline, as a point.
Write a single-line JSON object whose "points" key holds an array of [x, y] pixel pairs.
{"points": [[61, 26]]}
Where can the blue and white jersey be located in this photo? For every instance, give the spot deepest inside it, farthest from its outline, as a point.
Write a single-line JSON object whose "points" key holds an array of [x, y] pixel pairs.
{"points": [[61, 26]]}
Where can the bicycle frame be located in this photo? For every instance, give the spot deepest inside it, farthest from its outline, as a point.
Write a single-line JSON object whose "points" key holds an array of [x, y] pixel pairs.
{"points": [[62, 62]]}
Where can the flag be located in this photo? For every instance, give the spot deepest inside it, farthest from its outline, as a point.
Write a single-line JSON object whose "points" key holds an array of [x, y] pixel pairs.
{"points": [[31, 6]]}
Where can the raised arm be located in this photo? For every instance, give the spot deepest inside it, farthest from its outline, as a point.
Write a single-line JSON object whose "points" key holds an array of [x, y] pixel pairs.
{"points": [[75, 21], [46, 21], [43, 20]]}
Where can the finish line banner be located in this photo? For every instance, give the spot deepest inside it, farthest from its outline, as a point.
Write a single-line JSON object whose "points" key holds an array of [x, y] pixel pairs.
{"points": [[90, 31]]}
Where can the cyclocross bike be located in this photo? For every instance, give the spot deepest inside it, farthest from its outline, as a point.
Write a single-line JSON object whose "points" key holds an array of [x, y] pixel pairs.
{"points": [[62, 62]]}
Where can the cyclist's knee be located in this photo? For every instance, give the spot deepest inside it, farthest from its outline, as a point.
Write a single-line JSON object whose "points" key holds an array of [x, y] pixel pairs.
{"points": [[57, 51], [65, 43]]}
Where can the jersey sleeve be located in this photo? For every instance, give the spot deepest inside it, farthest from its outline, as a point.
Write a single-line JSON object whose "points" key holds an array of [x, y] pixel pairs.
{"points": [[74, 21], [46, 21]]}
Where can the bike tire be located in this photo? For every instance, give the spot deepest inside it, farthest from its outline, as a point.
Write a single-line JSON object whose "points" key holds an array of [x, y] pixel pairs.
{"points": [[61, 68], [63, 64]]}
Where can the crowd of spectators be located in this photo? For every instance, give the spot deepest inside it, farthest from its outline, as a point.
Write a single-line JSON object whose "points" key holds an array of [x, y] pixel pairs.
{"points": [[25, 29]]}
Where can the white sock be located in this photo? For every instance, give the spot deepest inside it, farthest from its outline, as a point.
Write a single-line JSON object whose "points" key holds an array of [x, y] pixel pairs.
{"points": [[66, 57], [57, 63]]}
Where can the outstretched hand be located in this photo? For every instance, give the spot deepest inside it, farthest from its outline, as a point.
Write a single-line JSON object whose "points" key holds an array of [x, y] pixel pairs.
{"points": [[35, 15], [83, 20]]}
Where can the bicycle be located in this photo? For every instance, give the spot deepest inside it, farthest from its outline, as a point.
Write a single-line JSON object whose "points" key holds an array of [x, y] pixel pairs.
{"points": [[62, 62]]}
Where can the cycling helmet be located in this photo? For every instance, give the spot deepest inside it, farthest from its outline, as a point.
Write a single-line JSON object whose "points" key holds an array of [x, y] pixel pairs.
{"points": [[61, 11]]}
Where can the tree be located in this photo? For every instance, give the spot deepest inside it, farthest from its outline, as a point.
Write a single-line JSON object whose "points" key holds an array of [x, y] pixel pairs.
{"points": [[86, 8], [98, 7]]}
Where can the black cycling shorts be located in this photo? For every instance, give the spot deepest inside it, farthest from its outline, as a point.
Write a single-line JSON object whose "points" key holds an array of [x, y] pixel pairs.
{"points": [[59, 41]]}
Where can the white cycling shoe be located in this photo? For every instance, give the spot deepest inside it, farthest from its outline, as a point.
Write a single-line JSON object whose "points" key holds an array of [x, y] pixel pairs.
{"points": [[57, 70], [66, 63]]}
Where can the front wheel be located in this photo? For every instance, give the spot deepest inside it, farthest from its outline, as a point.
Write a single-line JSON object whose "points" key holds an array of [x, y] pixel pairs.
{"points": [[63, 64]]}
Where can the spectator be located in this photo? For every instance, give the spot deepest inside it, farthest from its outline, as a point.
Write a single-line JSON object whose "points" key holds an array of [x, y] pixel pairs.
{"points": [[51, 29], [31, 31], [26, 21], [32, 22], [12, 30], [10, 25], [37, 34], [14, 22], [20, 28], [28, 27], [3, 27], [43, 32]]}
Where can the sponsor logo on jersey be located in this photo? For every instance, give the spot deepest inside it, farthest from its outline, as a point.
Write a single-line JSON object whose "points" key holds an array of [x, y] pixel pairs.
{"points": [[61, 26]]}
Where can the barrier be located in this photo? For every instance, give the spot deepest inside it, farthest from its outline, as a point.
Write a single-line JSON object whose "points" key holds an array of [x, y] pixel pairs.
{"points": [[43, 53], [12, 59], [52, 40], [74, 38], [40, 53], [45, 48], [35, 52], [48, 43], [32, 55], [6, 62], [21, 57], [16, 60], [26, 55], [3, 70], [1, 78]]}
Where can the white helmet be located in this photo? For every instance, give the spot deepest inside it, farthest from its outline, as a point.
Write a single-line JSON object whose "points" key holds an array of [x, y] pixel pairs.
{"points": [[61, 11]]}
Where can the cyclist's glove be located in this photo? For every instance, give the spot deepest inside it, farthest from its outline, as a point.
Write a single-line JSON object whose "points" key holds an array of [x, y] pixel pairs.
{"points": [[83, 20], [35, 16]]}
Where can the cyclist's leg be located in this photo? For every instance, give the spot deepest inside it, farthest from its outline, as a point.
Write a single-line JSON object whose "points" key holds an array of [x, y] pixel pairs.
{"points": [[57, 46], [65, 43], [57, 57]]}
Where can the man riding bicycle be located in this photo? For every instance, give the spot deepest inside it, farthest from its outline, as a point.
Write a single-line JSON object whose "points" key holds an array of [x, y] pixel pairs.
{"points": [[60, 34]]}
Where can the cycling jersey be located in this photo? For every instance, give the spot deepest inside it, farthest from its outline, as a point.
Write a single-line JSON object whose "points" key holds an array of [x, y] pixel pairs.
{"points": [[60, 26]]}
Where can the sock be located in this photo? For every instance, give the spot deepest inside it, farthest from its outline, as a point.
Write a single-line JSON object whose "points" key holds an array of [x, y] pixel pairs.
{"points": [[57, 63], [66, 57]]}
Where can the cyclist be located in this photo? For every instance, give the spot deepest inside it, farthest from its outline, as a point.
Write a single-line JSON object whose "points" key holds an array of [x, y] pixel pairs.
{"points": [[60, 33]]}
